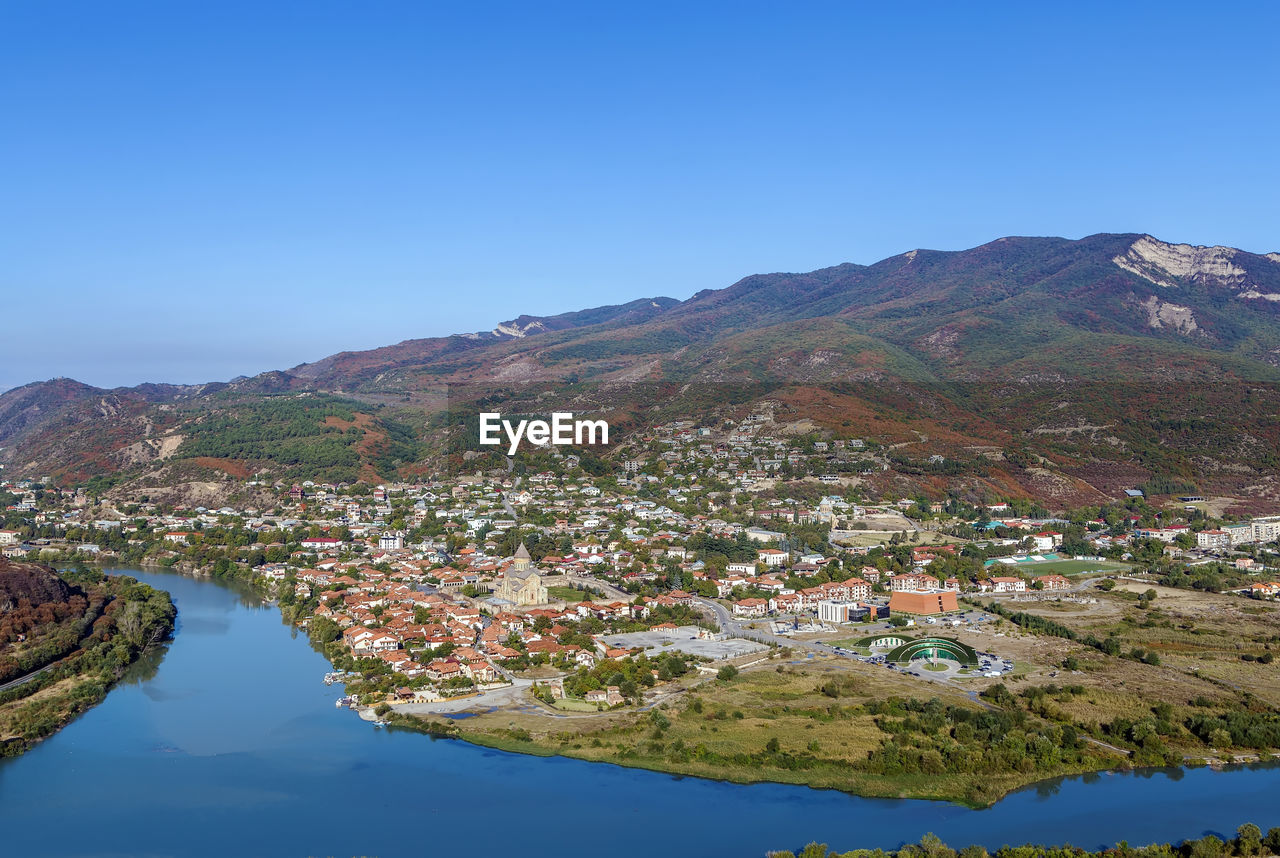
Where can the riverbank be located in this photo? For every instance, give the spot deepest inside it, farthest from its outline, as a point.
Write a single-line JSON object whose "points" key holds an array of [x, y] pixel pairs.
{"points": [[817, 725], [954, 789], [230, 771], [135, 618], [962, 789], [1250, 840]]}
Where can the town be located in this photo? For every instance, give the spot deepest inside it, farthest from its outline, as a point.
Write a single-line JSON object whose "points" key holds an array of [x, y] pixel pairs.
{"points": [[591, 592]]}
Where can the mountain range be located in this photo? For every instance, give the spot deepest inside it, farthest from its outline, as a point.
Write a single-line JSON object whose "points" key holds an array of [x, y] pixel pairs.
{"points": [[1065, 370]]}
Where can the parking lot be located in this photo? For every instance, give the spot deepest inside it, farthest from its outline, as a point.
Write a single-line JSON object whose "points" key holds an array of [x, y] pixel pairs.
{"points": [[685, 639]]}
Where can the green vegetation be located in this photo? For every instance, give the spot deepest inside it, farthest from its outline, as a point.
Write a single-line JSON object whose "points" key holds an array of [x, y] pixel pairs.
{"points": [[321, 436], [129, 617], [1064, 567], [1249, 841], [820, 725]]}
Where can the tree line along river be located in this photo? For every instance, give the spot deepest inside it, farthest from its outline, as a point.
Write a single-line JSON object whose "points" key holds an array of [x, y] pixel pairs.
{"points": [[226, 742]]}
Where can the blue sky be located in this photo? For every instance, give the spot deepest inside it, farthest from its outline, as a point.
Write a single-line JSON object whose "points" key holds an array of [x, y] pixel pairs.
{"points": [[193, 191]]}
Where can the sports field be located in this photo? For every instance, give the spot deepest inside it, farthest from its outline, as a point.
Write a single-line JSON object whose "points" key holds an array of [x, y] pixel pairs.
{"points": [[1058, 567]]}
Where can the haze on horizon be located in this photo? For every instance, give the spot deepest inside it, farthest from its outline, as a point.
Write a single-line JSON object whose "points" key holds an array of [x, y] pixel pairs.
{"points": [[198, 192]]}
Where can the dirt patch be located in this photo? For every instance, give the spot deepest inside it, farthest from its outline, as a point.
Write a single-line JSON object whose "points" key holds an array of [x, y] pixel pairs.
{"points": [[227, 466], [361, 421]]}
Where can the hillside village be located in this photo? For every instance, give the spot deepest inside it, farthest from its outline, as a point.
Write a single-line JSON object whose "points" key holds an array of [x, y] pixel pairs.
{"points": [[551, 575]]}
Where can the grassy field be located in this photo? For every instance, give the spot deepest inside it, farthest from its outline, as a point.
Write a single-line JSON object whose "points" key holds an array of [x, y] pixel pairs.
{"points": [[575, 705], [566, 594], [1200, 640], [866, 539], [1061, 567], [32, 717], [754, 728]]}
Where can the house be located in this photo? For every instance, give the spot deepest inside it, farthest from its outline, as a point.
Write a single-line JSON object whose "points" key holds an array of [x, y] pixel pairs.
{"points": [[443, 669], [363, 641], [1053, 582], [787, 603], [1046, 540], [750, 608], [1008, 584], [772, 556]]}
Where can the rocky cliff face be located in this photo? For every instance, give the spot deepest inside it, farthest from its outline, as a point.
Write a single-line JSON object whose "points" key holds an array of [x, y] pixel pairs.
{"points": [[1163, 264]]}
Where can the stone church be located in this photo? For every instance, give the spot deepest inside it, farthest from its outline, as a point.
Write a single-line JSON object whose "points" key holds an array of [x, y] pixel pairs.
{"points": [[521, 584]]}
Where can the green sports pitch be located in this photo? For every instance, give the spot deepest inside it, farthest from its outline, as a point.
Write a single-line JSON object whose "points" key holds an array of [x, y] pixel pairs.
{"points": [[1058, 567]]}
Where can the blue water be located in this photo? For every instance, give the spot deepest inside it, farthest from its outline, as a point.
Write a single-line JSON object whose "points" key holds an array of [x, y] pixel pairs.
{"points": [[227, 743]]}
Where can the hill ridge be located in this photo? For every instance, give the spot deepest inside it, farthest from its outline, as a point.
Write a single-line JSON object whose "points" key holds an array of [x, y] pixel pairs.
{"points": [[1029, 311]]}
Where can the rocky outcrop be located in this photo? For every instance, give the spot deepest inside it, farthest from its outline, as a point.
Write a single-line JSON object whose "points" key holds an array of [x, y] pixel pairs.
{"points": [[1162, 264], [1163, 314]]}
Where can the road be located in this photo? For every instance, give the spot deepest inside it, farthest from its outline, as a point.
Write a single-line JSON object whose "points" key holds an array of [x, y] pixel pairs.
{"points": [[23, 680]]}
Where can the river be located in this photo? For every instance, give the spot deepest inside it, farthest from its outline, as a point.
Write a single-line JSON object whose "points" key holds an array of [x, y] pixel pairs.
{"points": [[226, 743]]}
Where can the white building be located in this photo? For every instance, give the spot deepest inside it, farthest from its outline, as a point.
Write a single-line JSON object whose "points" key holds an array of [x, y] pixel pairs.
{"points": [[839, 611], [1213, 540]]}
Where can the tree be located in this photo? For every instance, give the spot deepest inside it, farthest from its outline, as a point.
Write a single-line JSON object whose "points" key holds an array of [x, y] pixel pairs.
{"points": [[772, 745], [1248, 839], [129, 623], [1206, 847], [727, 672], [323, 630]]}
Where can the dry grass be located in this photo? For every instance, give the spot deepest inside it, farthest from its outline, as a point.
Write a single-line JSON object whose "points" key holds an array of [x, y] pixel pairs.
{"points": [[738, 719], [1199, 638]]}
